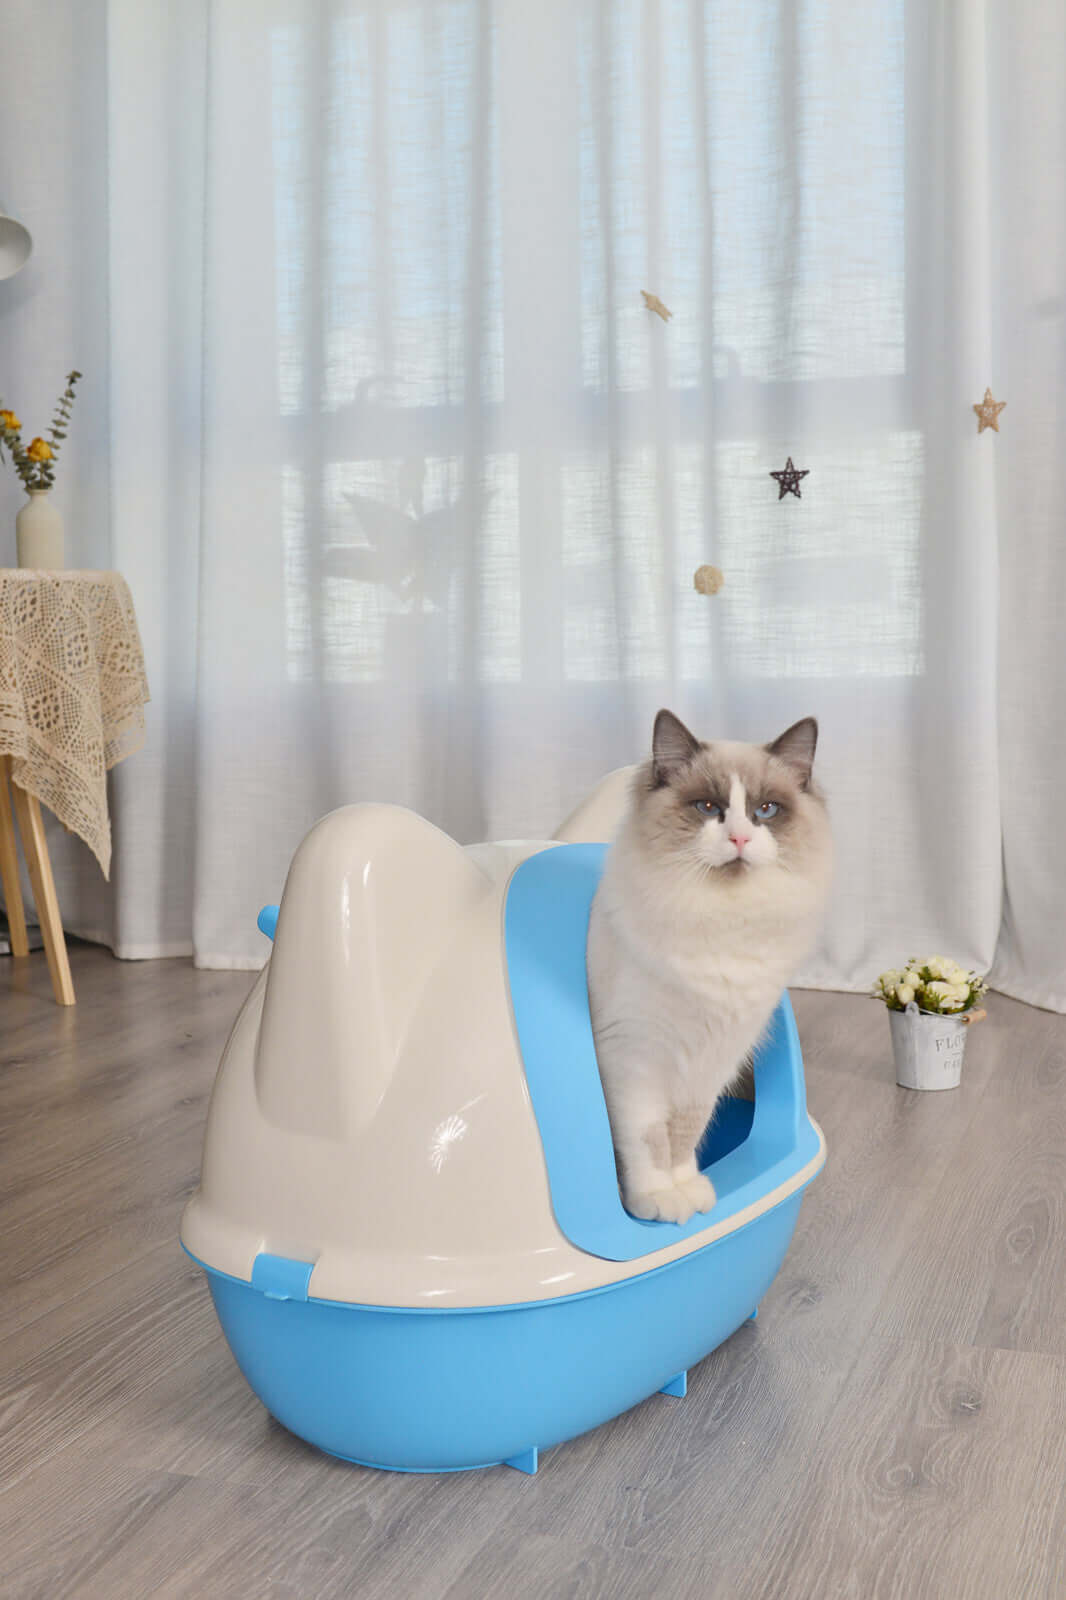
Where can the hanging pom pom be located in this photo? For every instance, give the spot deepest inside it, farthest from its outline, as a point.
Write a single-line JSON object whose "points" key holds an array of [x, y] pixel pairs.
{"points": [[707, 580]]}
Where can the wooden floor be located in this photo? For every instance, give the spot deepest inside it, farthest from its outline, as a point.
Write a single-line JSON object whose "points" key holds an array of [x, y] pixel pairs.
{"points": [[893, 1425]]}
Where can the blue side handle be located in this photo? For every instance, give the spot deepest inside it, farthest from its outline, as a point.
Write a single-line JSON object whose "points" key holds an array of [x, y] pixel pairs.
{"points": [[267, 920], [281, 1278]]}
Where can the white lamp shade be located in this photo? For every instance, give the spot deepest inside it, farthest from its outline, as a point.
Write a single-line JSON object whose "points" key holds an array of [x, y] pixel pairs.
{"points": [[15, 246]]}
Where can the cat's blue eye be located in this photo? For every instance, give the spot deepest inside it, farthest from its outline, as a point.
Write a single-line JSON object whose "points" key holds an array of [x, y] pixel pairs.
{"points": [[768, 809], [707, 808]]}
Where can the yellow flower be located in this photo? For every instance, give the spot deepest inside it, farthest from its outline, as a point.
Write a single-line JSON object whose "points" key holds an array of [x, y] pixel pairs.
{"points": [[39, 451], [10, 421]]}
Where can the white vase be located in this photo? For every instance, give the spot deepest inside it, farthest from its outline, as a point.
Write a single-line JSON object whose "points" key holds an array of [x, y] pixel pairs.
{"points": [[39, 533], [928, 1048]]}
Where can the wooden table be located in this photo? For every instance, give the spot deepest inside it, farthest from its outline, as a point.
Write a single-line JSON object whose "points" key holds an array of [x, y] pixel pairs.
{"points": [[30, 824], [72, 696]]}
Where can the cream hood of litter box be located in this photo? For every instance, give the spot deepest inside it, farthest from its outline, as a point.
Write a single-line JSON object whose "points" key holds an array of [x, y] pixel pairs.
{"points": [[371, 1113]]}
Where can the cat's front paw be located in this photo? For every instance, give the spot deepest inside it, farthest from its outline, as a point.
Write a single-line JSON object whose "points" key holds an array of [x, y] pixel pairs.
{"points": [[700, 1191], [661, 1205]]}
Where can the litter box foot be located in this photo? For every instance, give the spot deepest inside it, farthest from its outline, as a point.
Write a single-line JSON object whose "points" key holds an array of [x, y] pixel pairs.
{"points": [[678, 1385], [754, 1314], [526, 1462]]}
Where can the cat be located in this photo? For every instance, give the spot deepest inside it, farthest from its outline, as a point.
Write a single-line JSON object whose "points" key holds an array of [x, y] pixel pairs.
{"points": [[711, 895]]}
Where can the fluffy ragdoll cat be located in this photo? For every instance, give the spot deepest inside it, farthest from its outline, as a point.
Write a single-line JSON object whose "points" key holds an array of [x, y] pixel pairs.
{"points": [[711, 895]]}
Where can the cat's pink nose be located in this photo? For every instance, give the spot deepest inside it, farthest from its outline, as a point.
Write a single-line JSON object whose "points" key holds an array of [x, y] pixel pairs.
{"points": [[740, 839]]}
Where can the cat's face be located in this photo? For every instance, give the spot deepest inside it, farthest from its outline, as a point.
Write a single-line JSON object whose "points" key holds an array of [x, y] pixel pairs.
{"points": [[732, 809]]}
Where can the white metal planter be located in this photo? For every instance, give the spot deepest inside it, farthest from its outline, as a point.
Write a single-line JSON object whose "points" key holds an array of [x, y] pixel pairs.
{"points": [[928, 1048]]}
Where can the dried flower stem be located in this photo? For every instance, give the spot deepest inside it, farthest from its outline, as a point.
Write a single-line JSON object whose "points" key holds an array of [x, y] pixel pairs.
{"points": [[35, 463]]}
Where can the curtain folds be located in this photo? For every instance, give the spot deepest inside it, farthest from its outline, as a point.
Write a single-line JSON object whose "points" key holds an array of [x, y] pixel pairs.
{"points": [[409, 485]]}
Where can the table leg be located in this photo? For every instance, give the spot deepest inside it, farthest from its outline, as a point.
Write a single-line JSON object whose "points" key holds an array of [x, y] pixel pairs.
{"points": [[9, 868], [31, 827]]}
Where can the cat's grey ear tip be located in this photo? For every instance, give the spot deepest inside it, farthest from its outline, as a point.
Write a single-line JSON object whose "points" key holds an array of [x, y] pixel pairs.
{"points": [[668, 725], [804, 724], [797, 746], [672, 745]]}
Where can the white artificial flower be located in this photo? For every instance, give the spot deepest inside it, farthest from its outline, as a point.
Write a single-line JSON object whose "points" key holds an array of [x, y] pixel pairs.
{"points": [[890, 980], [913, 978], [949, 996], [904, 994]]}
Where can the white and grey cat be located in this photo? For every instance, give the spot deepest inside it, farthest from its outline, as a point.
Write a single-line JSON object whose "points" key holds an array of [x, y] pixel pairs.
{"points": [[711, 895]]}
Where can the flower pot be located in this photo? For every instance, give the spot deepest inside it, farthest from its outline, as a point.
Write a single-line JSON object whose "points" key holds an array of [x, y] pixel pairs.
{"points": [[39, 533], [928, 1048]]}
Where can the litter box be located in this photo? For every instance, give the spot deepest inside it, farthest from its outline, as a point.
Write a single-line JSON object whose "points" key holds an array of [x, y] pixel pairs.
{"points": [[408, 1211]]}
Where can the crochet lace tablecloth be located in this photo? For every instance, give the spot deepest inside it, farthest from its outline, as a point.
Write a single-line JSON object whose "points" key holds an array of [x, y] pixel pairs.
{"points": [[72, 691]]}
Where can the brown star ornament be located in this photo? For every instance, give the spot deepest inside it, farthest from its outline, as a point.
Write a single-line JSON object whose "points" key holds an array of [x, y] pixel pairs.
{"points": [[788, 480], [988, 412], [653, 303]]}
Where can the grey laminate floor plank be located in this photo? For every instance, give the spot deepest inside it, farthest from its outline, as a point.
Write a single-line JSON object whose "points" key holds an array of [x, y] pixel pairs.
{"points": [[504, 1566], [943, 1479], [988, 1266], [107, 1182], [63, 1374], [176, 1535], [890, 1426], [110, 1082]]}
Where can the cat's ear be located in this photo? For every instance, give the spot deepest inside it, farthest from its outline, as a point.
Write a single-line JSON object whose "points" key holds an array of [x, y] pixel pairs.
{"points": [[672, 747], [795, 747]]}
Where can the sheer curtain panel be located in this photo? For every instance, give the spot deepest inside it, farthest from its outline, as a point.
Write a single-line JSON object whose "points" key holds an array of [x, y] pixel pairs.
{"points": [[409, 484]]}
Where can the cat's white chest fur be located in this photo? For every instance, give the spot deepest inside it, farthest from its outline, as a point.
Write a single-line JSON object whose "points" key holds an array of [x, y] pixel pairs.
{"points": [[682, 997], [700, 919]]}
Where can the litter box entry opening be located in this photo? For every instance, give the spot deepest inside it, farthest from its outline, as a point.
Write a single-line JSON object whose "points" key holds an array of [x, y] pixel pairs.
{"points": [[727, 1129], [751, 1147]]}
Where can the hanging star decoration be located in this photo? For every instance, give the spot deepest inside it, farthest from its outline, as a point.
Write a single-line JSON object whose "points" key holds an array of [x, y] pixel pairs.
{"points": [[788, 481], [988, 412], [653, 303], [707, 580]]}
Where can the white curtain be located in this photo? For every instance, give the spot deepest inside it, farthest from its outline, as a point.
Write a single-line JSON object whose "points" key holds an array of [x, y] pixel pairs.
{"points": [[409, 485]]}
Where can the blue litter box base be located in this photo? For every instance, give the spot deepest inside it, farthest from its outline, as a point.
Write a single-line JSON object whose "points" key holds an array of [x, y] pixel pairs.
{"points": [[444, 1390]]}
